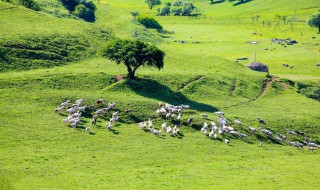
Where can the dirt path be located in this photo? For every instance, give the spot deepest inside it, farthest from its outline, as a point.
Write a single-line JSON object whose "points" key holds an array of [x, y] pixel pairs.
{"points": [[264, 91], [191, 81]]}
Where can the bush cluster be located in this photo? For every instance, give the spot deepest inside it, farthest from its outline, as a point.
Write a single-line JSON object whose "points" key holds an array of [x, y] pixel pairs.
{"points": [[81, 9], [177, 8], [148, 22]]}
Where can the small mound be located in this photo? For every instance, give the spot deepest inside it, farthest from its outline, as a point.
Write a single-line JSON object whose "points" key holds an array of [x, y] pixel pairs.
{"points": [[257, 66]]}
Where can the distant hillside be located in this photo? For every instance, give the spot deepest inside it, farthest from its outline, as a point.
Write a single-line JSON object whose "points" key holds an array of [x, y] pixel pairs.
{"points": [[43, 40]]}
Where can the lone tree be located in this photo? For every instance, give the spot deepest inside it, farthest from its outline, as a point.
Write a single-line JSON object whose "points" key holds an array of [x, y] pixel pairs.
{"points": [[133, 54], [314, 20], [151, 3]]}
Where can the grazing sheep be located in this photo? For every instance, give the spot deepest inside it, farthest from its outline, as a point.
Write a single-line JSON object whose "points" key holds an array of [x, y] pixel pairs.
{"points": [[94, 120], [77, 114], [99, 112], [266, 132], [237, 122], [65, 103], [156, 132], [204, 115], [252, 130], [112, 105], [261, 143], [279, 139], [82, 109], [283, 137], [150, 124], [234, 133], [226, 141], [175, 131], [88, 130], [109, 126], [211, 134], [169, 130], [292, 133], [115, 114], [190, 120], [79, 102], [179, 118], [241, 135], [59, 109], [222, 121], [143, 125], [311, 148], [114, 119], [164, 126], [300, 133], [168, 115], [66, 120], [74, 125], [230, 128], [71, 110], [220, 113], [261, 121]]}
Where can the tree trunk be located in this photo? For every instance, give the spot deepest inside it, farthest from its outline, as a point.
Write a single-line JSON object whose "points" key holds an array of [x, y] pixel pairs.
{"points": [[130, 72]]}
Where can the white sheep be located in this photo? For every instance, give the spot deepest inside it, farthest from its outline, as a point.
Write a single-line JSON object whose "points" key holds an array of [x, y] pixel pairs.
{"points": [[252, 130], [164, 126], [109, 126], [179, 118], [226, 141], [169, 130], [82, 109], [220, 113], [143, 125], [65, 103], [237, 122], [59, 109], [88, 130], [204, 115], [79, 102], [211, 134], [156, 132]]}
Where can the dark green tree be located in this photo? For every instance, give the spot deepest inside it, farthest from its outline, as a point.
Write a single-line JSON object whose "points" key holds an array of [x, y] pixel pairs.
{"points": [[70, 5], [152, 3], [314, 20], [133, 54], [30, 4]]}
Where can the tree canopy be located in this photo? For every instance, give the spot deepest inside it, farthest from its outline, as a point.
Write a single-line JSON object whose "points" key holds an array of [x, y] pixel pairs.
{"points": [[152, 3], [314, 20], [133, 54]]}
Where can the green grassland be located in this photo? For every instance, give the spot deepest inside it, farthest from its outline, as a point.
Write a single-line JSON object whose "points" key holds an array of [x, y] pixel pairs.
{"points": [[47, 57]]}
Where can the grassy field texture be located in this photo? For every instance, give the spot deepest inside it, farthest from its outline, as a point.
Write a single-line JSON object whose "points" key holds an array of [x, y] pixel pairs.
{"points": [[39, 151]]}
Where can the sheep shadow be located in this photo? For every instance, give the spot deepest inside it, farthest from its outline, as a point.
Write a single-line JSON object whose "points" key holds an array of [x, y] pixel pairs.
{"points": [[242, 2], [153, 89], [216, 2], [113, 131]]}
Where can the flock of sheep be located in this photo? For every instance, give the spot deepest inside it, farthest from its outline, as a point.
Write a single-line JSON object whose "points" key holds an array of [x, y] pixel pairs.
{"points": [[173, 114]]}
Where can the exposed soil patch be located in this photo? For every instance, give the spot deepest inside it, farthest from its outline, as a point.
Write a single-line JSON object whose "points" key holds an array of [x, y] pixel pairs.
{"points": [[119, 77], [191, 81]]}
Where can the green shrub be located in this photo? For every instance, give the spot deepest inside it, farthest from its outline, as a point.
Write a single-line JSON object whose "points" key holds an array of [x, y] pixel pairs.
{"points": [[148, 22]]}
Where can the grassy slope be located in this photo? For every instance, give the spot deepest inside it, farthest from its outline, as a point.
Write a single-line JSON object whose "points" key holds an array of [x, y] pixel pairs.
{"points": [[47, 154]]}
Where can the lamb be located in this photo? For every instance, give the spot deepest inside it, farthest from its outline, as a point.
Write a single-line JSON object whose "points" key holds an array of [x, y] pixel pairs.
{"points": [[226, 141], [59, 109], [88, 130]]}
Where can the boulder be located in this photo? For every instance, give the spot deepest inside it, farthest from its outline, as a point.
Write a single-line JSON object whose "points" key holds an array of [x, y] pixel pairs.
{"points": [[257, 66]]}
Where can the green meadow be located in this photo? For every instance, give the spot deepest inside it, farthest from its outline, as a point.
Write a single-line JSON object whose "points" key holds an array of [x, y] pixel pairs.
{"points": [[48, 57]]}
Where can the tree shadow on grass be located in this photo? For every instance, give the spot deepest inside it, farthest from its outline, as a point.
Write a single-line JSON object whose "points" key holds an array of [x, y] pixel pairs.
{"points": [[242, 2], [150, 88]]}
